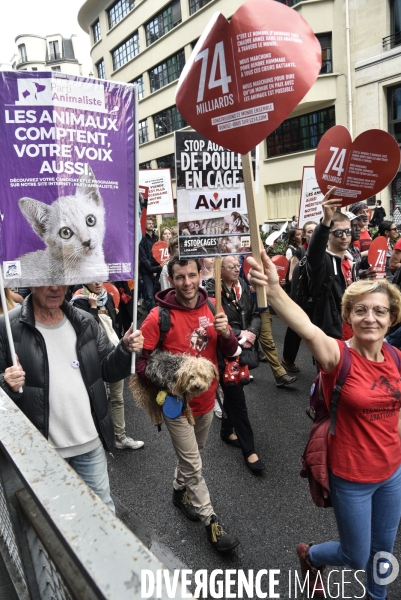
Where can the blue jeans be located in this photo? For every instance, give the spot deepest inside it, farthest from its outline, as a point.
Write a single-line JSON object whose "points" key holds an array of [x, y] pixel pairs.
{"points": [[92, 468], [367, 516]]}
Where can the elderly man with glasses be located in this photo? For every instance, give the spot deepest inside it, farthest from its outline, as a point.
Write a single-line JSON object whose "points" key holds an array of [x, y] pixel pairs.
{"points": [[330, 268]]}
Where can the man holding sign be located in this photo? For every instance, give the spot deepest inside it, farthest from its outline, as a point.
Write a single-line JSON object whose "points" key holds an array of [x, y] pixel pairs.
{"points": [[64, 357], [330, 269]]}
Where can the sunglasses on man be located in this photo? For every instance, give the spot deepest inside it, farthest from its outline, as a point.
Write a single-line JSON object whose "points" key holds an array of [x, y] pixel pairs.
{"points": [[338, 233]]}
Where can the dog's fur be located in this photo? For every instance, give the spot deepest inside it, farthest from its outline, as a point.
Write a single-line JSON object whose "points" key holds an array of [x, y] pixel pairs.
{"points": [[180, 375]]}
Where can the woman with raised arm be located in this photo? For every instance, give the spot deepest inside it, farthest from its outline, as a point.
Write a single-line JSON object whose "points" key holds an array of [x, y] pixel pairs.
{"points": [[364, 455]]}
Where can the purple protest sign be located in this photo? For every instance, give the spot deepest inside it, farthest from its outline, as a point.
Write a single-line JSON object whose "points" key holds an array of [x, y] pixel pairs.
{"points": [[66, 179]]}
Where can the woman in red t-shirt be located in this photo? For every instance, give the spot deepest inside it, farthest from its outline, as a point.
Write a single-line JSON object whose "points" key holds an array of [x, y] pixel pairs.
{"points": [[364, 455]]}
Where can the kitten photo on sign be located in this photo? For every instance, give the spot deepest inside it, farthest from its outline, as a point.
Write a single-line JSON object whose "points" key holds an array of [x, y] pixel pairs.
{"points": [[73, 229]]}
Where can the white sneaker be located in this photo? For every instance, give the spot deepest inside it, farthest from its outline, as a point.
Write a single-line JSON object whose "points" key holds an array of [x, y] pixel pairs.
{"points": [[217, 410], [128, 444]]}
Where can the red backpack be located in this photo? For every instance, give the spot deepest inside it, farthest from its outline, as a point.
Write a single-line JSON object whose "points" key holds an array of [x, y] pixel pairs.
{"points": [[314, 458]]}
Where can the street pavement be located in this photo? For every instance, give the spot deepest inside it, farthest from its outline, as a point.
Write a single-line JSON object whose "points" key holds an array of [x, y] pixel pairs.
{"points": [[270, 514]]}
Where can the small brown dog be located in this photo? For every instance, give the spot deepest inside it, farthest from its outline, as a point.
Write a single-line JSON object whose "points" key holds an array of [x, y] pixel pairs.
{"points": [[180, 375]]}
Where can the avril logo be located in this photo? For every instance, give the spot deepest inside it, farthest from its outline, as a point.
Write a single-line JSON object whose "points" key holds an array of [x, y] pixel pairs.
{"points": [[222, 202]]}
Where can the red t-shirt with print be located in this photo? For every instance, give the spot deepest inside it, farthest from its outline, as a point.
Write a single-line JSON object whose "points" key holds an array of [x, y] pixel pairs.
{"points": [[192, 332], [365, 240], [366, 446]]}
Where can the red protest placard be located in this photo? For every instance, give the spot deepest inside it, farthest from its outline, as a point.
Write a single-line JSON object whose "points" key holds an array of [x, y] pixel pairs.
{"points": [[282, 265], [358, 169], [377, 256], [244, 77], [160, 252]]}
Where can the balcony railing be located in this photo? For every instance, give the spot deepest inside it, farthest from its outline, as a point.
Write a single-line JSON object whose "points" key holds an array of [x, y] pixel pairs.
{"points": [[56, 56], [391, 41]]}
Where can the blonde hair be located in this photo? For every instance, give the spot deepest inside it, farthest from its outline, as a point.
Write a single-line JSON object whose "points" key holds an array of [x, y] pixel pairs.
{"points": [[9, 301], [360, 288]]}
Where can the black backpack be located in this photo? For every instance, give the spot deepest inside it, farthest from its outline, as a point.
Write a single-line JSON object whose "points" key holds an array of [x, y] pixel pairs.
{"points": [[397, 277], [300, 285]]}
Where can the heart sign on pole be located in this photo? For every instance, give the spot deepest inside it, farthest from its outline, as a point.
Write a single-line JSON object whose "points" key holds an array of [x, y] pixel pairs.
{"points": [[281, 263], [244, 77], [160, 251], [377, 256], [358, 169]]}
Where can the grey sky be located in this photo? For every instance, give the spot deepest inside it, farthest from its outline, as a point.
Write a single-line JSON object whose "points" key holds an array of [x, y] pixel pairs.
{"points": [[41, 17]]}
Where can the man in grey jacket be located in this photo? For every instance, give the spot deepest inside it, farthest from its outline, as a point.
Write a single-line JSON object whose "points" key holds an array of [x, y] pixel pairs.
{"points": [[64, 357]]}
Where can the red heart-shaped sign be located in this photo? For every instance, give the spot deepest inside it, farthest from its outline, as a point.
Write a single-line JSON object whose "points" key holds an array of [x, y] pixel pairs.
{"points": [[377, 256], [160, 251], [360, 168], [244, 77], [282, 265]]}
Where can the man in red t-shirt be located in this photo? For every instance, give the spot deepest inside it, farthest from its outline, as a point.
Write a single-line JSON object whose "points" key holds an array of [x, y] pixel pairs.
{"points": [[197, 331]]}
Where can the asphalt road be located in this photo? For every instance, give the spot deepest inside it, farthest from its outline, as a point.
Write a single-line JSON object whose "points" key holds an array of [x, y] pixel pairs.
{"points": [[270, 514]]}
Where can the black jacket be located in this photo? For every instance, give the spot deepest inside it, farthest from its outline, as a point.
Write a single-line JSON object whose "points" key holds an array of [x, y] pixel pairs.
{"points": [[378, 216], [326, 283], [147, 263], [98, 361], [83, 304], [247, 317]]}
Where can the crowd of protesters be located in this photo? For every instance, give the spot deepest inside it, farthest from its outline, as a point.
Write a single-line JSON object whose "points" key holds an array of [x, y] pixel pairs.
{"points": [[331, 299]]}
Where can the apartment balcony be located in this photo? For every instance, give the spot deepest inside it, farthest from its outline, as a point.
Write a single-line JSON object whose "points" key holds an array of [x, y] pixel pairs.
{"points": [[54, 57], [391, 41]]}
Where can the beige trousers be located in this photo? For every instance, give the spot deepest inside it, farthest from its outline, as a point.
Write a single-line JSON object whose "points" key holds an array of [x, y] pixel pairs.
{"points": [[188, 441], [117, 408], [268, 346]]}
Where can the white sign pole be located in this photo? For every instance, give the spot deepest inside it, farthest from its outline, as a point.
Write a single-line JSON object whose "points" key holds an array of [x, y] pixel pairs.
{"points": [[7, 322], [136, 236]]}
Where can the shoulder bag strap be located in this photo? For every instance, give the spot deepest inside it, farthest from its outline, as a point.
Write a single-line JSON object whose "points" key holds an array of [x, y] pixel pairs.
{"points": [[394, 354], [342, 376]]}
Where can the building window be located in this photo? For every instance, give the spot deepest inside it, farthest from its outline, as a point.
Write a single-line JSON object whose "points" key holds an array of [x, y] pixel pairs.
{"points": [[167, 121], [143, 131], [22, 52], [55, 68], [118, 11], [101, 71], [34, 68], [167, 162], [139, 83], [195, 5], [145, 165], [394, 39], [54, 51], [327, 57], [163, 22], [127, 50], [167, 71], [300, 133], [394, 112], [96, 31]]}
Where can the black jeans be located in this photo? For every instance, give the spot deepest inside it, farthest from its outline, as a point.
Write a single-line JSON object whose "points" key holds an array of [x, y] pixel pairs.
{"points": [[292, 341], [148, 289], [237, 418]]}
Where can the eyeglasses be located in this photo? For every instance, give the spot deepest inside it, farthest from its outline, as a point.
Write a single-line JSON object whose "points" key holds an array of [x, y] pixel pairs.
{"points": [[234, 268], [338, 233], [392, 229], [360, 310]]}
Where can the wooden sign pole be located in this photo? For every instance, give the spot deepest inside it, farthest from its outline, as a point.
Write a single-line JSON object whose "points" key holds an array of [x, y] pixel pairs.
{"points": [[217, 279], [253, 223]]}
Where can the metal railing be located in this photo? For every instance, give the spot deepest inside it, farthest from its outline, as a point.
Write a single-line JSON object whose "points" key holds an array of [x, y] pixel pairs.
{"points": [[57, 538], [391, 41]]}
